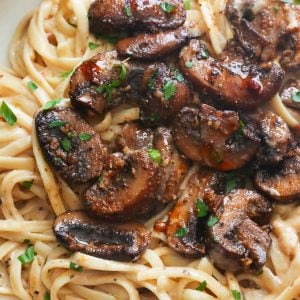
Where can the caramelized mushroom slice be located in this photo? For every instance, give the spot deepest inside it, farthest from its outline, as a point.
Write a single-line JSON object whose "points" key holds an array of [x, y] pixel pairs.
{"points": [[235, 240], [289, 94], [281, 183], [166, 93], [239, 84], [214, 138], [174, 167], [129, 193], [113, 16], [78, 232], [184, 228], [152, 46], [70, 144]]}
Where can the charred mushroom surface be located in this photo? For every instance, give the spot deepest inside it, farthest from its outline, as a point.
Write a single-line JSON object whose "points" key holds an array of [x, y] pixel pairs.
{"points": [[235, 240], [240, 84], [69, 144], [78, 232]]}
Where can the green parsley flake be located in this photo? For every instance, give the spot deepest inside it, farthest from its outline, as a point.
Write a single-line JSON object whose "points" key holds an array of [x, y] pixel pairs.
{"points": [[7, 114], [155, 155], [230, 182], [151, 81], [236, 295], [217, 156], [167, 7], [66, 144], [202, 286], [189, 64], [201, 209], [32, 86], [128, 11], [187, 4], [296, 97], [52, 103], [204, 54], [47, 296], [181, 232], [28, 256], [75, 267], [65, 74], [242, 126], [93, 46], [56, 124], [213, 220], [26, 185], [179, 77], [296, 2], [123, 72], [169, 90], [85, 136]]}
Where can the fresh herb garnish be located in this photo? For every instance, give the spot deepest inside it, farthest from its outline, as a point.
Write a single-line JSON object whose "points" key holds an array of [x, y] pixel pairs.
{"points": [[26, 185], [28, 256], [47, 296], [204, 54], [217, 156], [93, 46], [179, 77], [189, 64], [52, 103], [213, 220], [32, 86], [296, 97], [151, 81], [296, 1], [56, 124], [123, 71], [187, 4], [75, 267], [7, 114], [66, 144], [202, 286], [167, 7], [169, 90], [181, 232], [230, 182], [236, 295], [242, 126], [65, 74], [85, 136], [128, 11], [201, 209], [155, 155]]}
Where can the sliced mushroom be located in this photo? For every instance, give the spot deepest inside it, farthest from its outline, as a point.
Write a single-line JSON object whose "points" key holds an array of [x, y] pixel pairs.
{"points": [[185, 230], [129, 193], [289, 94], [235, 240], [174, 167], [103, 82], [282, 182], [78, 232], [214, 138], [233, 81], [70, 144], [113, 16], [151, 46], [166, 93]]}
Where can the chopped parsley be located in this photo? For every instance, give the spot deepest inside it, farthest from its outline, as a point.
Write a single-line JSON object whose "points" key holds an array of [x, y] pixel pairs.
{"points": [[179, 77], [7, 114], [75, 267], [217, 156], [204, 54], [26, 185], [242, 126], [32, 86], [296, 97], [28, 256], [93, 46], [181, 232], [56, 124], [230, 182], [65, 74], [202, 286], [128, 11], [167, 7], [151, 81], [85, 136], [47, 296], [213, 220], [236, 295], [189, 64], [66, 144], [201, 209], [187, 4], [155, 155], [52, 103], [169, 90]]}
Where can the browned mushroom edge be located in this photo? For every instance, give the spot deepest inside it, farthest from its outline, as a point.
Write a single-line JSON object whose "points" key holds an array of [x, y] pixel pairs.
{"points": [[235, 240], [70, 144], [76, 231]]}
